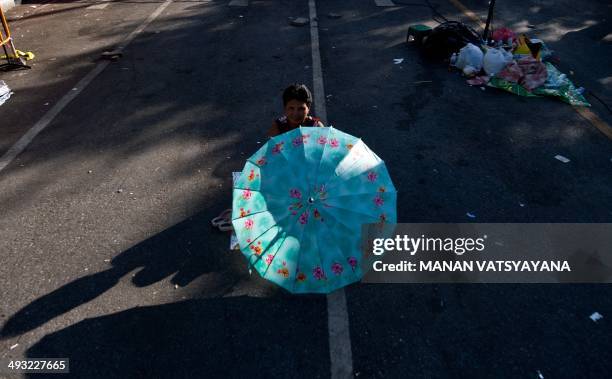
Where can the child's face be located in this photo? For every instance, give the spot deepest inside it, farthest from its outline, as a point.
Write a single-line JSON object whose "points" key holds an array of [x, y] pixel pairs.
{"points": [[296, 111]]}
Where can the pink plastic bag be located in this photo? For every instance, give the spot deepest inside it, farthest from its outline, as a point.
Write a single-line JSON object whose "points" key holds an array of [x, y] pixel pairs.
{"points": [[512, 73], [527, 72], [534, 73]]}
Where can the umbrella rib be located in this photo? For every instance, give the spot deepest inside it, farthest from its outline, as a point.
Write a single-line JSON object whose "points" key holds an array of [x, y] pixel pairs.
{"points": [[305, 160], [316, 175], [360, 194], [261, 211], [265, 231], [299, 260], [348, 210], [338, 220], [296, 174], [334, 176], [284, 237], [355, 277], [334, 181], [380, 164]]}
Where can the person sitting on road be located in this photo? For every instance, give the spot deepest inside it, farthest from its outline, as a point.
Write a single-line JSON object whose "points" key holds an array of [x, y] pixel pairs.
{"points": [[297, 101]]}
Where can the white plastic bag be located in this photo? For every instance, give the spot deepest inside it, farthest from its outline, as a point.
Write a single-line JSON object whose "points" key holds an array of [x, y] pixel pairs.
{"points": [[470, 59], [5, 92], [495, 60]]}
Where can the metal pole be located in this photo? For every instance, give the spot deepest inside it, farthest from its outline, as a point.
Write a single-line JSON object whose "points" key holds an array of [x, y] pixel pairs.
{"points": [[485, 34]]}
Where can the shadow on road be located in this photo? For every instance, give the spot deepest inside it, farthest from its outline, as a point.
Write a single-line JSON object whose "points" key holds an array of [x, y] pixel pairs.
{"points": [[185, 251], [237, 337]]}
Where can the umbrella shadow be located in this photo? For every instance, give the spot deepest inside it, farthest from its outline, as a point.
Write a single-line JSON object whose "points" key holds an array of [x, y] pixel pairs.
{"points": [[225, 337], [185, 250]]}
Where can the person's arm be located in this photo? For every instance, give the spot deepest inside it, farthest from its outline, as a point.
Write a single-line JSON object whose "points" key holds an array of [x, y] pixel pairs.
{"points": [[319, 124], [274, 131]]}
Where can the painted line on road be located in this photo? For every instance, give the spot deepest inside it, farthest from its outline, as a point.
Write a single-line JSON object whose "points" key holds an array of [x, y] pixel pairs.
{"points": [[317, 73], [594, 120], [384, 3], [27, 138], [239, 3], [99, 6], [340, 354], [586, 113]]}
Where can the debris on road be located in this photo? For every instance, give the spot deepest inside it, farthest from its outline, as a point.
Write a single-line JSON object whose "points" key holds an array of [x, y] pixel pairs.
{"points": [[596, 316], [398, 60], [540, 376], [113, 55], [299, 21], [562, 158], [119, 190], [334, 16], [478, 80], [469, 60], [14, 346], [5, 92], [495, 60], [509, 61], [470, 215], [234, 245]]}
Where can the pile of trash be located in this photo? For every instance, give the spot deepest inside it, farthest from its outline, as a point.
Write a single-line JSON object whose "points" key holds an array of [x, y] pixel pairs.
{"points": [[514, 63], [5, 92]]}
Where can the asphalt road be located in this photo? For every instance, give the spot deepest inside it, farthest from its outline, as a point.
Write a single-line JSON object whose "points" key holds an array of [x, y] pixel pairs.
{"points": [[106, 250]]}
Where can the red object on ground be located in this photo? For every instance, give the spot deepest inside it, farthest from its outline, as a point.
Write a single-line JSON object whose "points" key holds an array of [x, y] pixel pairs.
{"points": [[528, 72], [503, 34], [534, 73]]}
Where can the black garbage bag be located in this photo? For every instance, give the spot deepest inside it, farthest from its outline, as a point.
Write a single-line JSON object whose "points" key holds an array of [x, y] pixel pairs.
{"points": [[448, 38]]}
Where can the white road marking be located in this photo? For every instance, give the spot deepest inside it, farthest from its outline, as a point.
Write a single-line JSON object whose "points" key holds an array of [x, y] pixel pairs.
{"points": [[239, 3], [27, 138], [99, 6], [384, 3], [340, 353], [317, 74]]}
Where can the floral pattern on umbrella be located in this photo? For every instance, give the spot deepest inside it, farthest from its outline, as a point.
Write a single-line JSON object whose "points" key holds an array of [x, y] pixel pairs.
{"points": [[299, 205]]}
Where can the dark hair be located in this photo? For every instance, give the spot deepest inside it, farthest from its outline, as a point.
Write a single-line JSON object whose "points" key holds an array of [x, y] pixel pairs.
{"points": [[297, 92]]}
